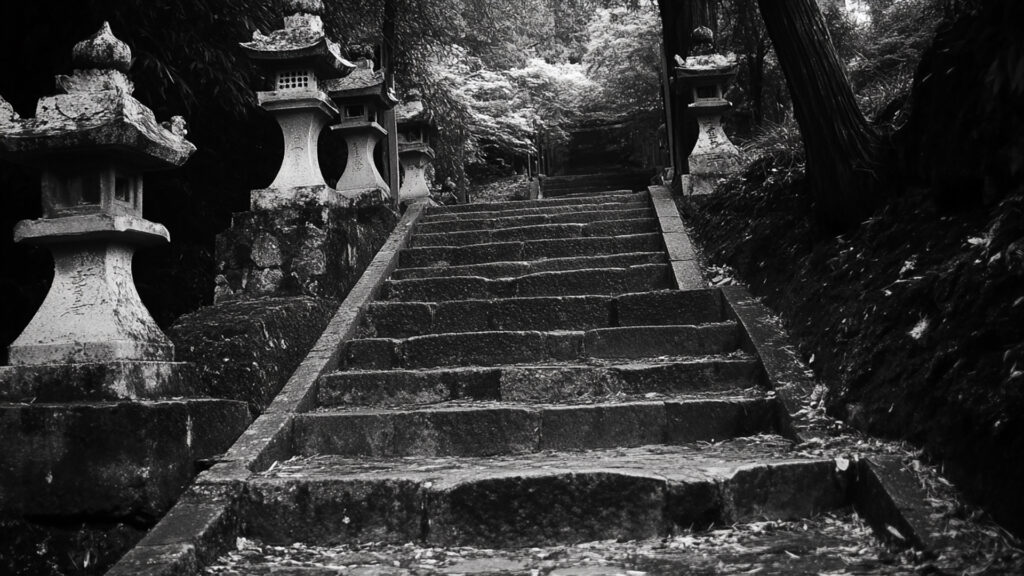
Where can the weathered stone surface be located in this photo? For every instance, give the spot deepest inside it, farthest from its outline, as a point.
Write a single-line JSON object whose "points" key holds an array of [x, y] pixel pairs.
{"points": [[518, 234], [481, 429], [479, 348], [396, 387], [526, 509], [639, 197], [652, 341], [92, 312], [113, 460], [694, 420], [669, 307], [299, 250], [506, 269], [398, 319], [785, 490], [582, 214], [414, 159], [446, 431], [97, 381], [602, 426], [523, 383], [642, 278], [246, 350], [333, 512], [373, 353], [634, 203], [526, 500]]}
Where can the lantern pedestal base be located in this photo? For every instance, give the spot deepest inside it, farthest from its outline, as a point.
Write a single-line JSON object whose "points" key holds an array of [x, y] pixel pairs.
{"points": [[97, 381]]}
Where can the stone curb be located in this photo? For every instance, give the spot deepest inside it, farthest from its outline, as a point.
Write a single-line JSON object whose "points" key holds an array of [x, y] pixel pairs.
{"points": [[887, 496], [761, 336], [185, 539], [892, 501], [677, 240]]}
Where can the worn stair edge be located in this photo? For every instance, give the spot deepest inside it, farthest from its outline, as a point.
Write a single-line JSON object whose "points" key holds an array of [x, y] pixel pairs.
{"points": [[491, 348], [538, 232], [761, 334], [391, 319], [530, 507], [677, 240], [535, 383], [529, 250], [201, 527], [490, 429], [585, 281], [635, 202], [505, 269], [495, 206], [501, 222]]}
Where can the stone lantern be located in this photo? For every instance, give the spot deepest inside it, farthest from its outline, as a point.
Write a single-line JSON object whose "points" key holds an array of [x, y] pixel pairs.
{"points": [[361, 97], [93, 142], [298, 59], [707, 76], [414, 151]]}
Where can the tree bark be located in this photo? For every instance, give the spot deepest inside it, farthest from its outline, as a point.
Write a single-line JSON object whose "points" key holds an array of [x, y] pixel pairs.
{"points": [[842, 148]]}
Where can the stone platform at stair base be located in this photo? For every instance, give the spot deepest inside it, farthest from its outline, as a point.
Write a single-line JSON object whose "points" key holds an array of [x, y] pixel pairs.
{"points": [[109, 460]]}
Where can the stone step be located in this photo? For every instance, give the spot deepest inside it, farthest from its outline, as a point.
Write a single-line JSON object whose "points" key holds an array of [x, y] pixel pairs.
{"points": [[518, 204], [538, 232], [538, 499], [495, 223], [512, 347], [498, 428], [808, 545], [634, 202], [403, 319], [642, 278], [509, 269], [419, 257], [544, 383], [582, 191]]}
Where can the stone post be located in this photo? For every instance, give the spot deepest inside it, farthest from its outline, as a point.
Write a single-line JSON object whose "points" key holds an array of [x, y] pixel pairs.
{"points": [[414, 151], [708, 76], [361, 97], [93, 142], [298, 59]]}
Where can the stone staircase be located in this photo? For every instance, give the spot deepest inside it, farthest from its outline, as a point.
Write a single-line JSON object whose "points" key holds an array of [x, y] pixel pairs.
{"points": [[516, 375], [530, 376]]}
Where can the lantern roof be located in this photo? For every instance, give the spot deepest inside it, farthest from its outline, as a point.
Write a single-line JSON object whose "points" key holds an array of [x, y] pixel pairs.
{"points": [[94, 114], [363, 84], [302, 42]]}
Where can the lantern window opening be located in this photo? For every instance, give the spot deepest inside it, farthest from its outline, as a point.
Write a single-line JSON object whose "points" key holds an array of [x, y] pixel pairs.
{"points": [[354, 111], [371, 115], [123, 190], [295, 80], [706, 92], [86, 190]]}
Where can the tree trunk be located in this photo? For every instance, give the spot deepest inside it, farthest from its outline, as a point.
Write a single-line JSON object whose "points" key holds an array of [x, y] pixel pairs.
{"points": [[842, 148]]}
